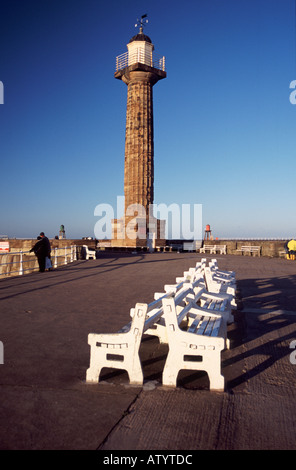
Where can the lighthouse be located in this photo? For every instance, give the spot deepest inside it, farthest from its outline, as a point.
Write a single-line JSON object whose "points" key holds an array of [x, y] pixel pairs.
{"points": [[140, 69]]}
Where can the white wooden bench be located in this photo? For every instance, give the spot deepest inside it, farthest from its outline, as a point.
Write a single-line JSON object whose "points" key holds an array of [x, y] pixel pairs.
{"points": [[198, 347], [217, 301], [223, 283], [89, 252], [214, 249], [121, 350], [209, 302], [221, 278], [205, 303], [216, 285], [206, 248], [207, 314], [214, 274], [192, 273], [219, 249], [219, 272], [250, 249]]}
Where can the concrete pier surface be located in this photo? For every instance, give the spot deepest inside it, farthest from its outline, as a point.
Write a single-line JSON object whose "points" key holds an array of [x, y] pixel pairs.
{"points": [[45, 321]]}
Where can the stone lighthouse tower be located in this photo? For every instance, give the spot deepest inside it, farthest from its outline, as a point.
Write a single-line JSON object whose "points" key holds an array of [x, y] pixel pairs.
{"points": [[140, 69]]}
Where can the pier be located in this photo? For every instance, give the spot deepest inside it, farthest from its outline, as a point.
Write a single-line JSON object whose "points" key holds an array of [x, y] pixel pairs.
{"points": [[46, 403]]}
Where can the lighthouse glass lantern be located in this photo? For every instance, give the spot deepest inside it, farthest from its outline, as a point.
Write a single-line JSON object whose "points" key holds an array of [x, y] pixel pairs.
{"points": [[140, 50]]}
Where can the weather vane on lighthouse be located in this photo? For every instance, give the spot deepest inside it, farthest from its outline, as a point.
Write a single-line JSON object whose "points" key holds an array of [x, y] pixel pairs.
{"points": [[141, 23]]}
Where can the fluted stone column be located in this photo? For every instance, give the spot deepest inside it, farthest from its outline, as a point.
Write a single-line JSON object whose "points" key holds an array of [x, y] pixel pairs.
{"points": [[139, 145]]}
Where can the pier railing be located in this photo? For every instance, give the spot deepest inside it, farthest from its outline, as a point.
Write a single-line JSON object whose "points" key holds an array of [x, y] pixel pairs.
{"points": [[23, 262]]}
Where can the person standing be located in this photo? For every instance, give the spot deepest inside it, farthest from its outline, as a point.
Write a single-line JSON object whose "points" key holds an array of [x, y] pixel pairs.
{"points": [[292, 249], [42, 250]]}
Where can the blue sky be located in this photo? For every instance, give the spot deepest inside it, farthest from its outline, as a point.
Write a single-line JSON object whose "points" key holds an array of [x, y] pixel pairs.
{"points": [[224, 127]]}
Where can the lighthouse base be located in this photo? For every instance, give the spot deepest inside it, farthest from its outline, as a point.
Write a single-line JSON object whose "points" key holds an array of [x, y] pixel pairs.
{"points": [[134, 232]]}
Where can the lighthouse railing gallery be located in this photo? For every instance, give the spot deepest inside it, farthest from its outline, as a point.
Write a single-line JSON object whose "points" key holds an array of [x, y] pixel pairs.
{"points": [[140, 56]]}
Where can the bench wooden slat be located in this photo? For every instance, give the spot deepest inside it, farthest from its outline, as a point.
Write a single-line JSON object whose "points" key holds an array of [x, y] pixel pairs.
{"points": [[210, 326], [216, 327], [207, 303], [196, 323], [219, 305], [208, 329]]}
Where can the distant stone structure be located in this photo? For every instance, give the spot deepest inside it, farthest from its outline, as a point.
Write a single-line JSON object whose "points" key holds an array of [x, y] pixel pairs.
{"points": [[62, 233], [140, 70]]}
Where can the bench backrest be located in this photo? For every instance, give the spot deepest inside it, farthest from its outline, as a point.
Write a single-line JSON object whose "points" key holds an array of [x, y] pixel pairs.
{"points": [[213, 265], [208, 276], [207, 247], [157, 302], [152, 312], [172, 316], [179, 297], [138, 321], [250, 247]]}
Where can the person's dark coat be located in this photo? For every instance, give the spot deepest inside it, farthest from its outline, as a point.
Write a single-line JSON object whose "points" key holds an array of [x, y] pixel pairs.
{"points": [[42, 248]]}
